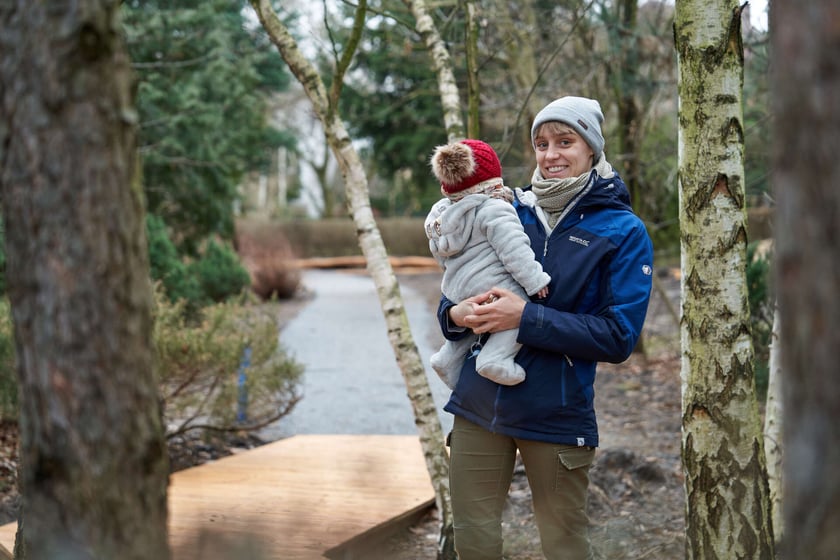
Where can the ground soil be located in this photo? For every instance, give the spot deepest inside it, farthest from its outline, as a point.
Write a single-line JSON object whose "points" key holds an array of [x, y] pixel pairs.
{"points": [[636, 499]]}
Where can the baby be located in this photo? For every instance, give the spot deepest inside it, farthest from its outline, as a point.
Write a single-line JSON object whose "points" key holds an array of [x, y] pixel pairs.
{"points": [[477, 238]]}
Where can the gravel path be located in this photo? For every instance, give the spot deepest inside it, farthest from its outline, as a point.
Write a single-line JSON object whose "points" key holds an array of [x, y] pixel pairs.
{"points": [[352, 384]]}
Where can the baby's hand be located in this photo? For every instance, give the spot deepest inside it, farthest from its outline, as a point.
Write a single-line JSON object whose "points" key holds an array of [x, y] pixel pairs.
{"points": [[543, 293]]}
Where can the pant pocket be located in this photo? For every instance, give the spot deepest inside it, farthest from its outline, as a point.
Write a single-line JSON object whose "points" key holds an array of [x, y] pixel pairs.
{"points": [[576, 457], [572, 476]]}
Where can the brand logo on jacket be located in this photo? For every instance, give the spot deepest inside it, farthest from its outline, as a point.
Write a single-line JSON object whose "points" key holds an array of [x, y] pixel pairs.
{"points": [[647, 270], [579, 241]]}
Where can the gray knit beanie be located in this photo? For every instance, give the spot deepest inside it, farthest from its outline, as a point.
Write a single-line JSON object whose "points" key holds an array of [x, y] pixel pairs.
{"points": [[582, 114]]}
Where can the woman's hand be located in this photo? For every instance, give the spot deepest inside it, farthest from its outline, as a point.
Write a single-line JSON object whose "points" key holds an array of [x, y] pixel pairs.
{"points": [[493, 311], [459, 313]]}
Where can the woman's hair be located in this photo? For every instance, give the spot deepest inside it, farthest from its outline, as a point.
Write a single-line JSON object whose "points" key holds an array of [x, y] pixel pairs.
{"points": [[582, 114], [554, 127]]}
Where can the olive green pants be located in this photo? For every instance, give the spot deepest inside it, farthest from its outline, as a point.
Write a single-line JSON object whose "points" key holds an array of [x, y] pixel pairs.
{"points": [[481, 470]]}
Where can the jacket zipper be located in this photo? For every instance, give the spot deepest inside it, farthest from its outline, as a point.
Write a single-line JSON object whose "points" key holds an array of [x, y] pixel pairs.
{"points": [[495, 410], [571, 206], [563, 372]]}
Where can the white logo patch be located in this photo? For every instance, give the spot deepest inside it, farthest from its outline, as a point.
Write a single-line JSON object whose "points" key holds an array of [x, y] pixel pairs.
{"points": [[579, 241], [581, 442], [647, 270]]}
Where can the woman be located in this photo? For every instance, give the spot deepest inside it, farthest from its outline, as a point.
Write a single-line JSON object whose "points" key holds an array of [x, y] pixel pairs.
{"points": [[577, 215]]}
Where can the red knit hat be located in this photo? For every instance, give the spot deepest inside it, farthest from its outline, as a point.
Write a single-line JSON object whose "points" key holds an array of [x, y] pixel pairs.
{"points": [[461, 165]]}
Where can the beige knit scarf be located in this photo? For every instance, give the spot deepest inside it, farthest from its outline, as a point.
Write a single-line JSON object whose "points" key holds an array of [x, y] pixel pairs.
{"points": [[553, 195], [493, 188]]}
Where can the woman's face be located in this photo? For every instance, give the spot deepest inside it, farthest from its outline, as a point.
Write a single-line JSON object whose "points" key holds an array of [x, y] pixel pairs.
{"points": [[561, 152]]}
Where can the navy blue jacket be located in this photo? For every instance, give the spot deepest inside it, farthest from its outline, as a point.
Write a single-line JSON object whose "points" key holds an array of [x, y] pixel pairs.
{"points": [[600, 260]]}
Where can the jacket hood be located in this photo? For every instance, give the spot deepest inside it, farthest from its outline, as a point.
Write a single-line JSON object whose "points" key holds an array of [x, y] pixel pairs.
{"points": [[450, 224]]}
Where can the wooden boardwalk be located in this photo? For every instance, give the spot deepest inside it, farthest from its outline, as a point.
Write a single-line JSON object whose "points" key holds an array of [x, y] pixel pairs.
{"points": [[305, 497]]}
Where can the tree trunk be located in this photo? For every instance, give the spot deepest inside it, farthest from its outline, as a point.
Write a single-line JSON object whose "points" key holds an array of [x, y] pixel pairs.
{"points": [[399, 332], [522, 67], [473, 86], [329, 192], [93, 460], [806, 174], [442, 64], [773, 428], [625, 88], [727, 501]]}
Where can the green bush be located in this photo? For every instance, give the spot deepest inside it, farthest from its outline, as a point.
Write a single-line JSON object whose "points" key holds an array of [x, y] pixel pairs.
{"points": [[199, 363], [167, 267], [8, 374], [219, 273], [762, 303], [214, 276], [2, 259]]}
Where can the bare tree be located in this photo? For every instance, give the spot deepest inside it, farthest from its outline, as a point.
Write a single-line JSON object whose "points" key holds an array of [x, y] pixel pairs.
{"points": [[407, 355], [727, 501], [94, 466], [806, 172]]}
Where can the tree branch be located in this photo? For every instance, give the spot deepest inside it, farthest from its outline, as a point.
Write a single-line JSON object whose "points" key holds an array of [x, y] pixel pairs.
{"points": [[347, 55]]}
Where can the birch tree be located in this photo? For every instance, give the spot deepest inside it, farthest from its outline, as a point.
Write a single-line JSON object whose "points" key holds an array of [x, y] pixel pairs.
{"points": [[805, 86], [773, 427], [93, 461], [727, 502], [325, 104], [442, 64]]}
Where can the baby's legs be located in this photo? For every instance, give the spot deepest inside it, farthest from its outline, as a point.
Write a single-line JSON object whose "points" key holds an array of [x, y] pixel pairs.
{"points": [[448, 361], [495, 361]]}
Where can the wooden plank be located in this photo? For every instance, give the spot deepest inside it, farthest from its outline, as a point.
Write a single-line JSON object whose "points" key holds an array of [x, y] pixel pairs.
{"points": [[7, 540], [304, 495], [301, 497], [358, 261]]}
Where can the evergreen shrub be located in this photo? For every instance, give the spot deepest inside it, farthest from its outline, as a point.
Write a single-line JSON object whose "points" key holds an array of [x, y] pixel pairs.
{"points": [[2, 259], [219, 273], [8, 374], [214, 276], [762, 301], [166, 265]]}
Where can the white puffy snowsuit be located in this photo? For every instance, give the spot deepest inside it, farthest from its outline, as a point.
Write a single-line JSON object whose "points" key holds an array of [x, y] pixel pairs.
{"points": [[480, 243]]}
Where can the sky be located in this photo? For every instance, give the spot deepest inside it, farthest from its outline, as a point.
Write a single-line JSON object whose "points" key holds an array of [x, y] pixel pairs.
{"points": [[758, 14]]}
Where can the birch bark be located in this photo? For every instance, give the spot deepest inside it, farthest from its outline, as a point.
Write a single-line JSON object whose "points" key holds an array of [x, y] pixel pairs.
{"points": [[727, 497], [442, 64], [378, 266], [773, 428]]}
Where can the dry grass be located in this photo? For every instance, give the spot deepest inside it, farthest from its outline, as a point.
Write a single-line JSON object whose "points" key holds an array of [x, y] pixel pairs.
{"points": [[269, 259], [337, 237], [271, 250]]}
